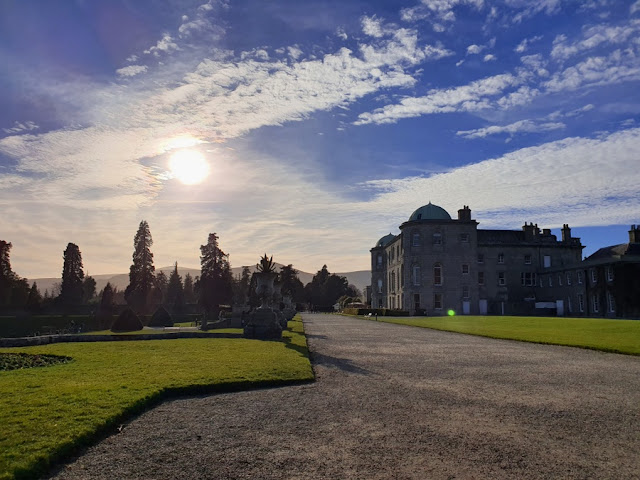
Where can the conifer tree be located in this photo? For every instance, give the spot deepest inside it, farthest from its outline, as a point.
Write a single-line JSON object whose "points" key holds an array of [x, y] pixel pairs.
{"points": [[7, 277], [141, 273], [175, 290], [216, 280], [72, 276], [34, 301], [189, 292]]}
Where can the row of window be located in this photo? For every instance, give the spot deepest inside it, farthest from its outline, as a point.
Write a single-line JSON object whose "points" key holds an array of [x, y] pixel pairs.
{"points": [[436, 239]]}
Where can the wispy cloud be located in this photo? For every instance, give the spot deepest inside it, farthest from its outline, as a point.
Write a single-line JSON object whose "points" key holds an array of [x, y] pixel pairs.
{"points": [[20, 127], [131, 70], [522, 126]]}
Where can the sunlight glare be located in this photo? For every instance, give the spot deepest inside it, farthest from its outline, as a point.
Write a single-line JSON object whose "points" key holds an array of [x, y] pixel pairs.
{"points": [[189, 166]]}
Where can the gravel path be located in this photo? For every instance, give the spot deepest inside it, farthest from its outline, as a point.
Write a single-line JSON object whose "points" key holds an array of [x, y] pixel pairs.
{"points": [[395, 402]]}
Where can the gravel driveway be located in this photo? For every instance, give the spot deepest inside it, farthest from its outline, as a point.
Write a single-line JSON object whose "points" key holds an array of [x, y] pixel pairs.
{"points": [[396, 402]]}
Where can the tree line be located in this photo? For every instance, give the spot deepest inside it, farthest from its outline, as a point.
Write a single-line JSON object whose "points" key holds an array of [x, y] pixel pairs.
{"points": [[215, 286]]}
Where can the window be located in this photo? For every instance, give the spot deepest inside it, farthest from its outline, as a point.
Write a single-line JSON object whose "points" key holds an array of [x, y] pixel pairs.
{"points": [[480, 278], [379, 260], [595, 301], [579, 277], [501, 258], [569, 306], [465, 269], [402, 276], [480, 258], [547, 261], [528, 279], [379, 285], [437, 274], [464, 237], [550, 281], [465, 292], [415, 240], [568, 278], [437, 239], [611, 301], [393, 281], [609, 274], [501, 279], [416, 275], [437, 301], [594, 276], [527, 259], [416, 301], [581, 302], [559, 280]]}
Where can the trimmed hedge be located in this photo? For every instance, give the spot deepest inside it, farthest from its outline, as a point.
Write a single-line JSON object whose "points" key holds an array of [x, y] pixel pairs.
{"points": [[383, 312], [128, 321], [27, 326], [161, 318]]}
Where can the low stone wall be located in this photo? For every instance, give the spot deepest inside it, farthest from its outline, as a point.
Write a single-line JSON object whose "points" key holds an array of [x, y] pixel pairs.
{"points": [[48, 339]]}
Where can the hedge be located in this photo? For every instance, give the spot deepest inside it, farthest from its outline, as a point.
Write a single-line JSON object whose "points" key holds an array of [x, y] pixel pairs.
{"points": [[383, 312]]}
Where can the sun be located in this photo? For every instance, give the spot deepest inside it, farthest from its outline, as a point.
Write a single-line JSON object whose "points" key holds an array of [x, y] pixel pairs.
{"points": [[189, 166]]}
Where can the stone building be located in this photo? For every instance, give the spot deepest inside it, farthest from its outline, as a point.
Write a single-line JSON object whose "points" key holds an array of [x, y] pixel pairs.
{"points": [[436, 264]]}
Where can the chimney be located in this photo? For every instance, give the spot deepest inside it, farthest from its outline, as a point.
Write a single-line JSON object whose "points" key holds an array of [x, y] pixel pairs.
{"points": [[464, 214], [528, 231], [634, 234], [566, 234]]}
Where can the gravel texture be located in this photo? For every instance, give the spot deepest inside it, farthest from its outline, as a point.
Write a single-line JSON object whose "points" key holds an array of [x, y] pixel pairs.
{"points": [[396, 402]]}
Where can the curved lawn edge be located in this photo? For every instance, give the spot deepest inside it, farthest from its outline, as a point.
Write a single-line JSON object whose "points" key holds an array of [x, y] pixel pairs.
{"points": [[592, 340], [49, 462]]}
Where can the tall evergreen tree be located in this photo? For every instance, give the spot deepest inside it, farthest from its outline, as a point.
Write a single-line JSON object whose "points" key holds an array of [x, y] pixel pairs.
{"points": [[216, 280], [141, 274], [291, 284], [34, 301], [7, 276], [189, 292], [88, 289], [241, 286], [162, 282], [175, 290], [72, 276], [107, 300]]}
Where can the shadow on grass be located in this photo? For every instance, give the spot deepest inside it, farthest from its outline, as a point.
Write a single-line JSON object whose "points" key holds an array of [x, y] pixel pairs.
{"points": [[343, 364]]}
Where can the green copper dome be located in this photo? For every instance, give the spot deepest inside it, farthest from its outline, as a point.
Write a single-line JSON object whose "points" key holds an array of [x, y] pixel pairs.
{"points": [[386, 240], [430, 212]]}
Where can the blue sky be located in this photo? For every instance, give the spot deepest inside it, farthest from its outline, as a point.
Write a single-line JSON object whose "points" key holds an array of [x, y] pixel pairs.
{"points": [[323, 124]]}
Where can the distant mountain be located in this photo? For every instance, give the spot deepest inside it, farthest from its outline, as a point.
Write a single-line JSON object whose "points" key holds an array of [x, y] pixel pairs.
{"points": [[360, 278]]}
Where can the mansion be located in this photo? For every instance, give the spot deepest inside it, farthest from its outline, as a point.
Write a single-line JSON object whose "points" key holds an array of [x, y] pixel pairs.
{"points": [[437, 264]]}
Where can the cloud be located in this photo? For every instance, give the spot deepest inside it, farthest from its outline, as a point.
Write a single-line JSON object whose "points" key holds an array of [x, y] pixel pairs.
{"points": [[372, 26], [583, 181], [594, 37], [19, 127], [489, 58], [441, 11], [475, 49], [522, 126], [472, 97], [634, 8], [524, 44], [131, 70], [165, 45]]}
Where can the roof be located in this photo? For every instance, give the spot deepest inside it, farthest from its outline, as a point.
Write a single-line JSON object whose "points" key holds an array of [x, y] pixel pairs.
{"points": [[386, 240], [430, 212], [623, 251]]}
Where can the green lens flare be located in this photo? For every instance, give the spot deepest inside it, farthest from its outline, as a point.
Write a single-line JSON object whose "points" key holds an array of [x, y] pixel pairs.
{"points": [[451, 313]]}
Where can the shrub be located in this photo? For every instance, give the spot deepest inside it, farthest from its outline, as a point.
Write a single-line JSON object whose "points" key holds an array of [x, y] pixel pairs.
{"points": [[128, 321], [161, 318]]}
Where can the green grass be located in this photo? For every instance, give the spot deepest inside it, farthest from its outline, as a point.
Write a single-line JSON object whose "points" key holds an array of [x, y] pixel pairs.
{"points": [[155, 331], [47, 413], [618, 336]]}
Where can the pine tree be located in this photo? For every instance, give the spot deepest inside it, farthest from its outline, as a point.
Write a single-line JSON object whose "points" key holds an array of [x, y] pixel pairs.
{"points": [[88, 289], [189, 292], [175, 290], [291, 284], [162, 282], [216, 281], [34, 301], [7, 277], [72, 276], [141, 273], [241, 295]]}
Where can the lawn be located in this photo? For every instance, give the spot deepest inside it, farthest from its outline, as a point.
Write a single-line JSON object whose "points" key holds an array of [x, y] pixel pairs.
{"points": [[619, 336], [46, 413]]}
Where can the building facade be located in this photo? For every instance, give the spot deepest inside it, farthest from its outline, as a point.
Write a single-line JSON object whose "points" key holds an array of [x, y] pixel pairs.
{"points": [[438, 264]]}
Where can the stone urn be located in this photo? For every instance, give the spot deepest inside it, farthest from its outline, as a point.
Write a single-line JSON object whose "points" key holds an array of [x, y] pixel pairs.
{"points": [[264, 322]]}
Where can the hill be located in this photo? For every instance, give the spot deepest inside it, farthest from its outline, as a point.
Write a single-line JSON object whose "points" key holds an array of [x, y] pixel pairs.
{"points": [[360, 278]]}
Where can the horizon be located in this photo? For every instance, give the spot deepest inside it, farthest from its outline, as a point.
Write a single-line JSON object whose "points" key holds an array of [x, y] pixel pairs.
{"points": [[310, 130]]}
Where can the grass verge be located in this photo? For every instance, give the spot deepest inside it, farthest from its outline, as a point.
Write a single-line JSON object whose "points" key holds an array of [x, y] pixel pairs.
{"points": [[617, 336], [49, 413]]}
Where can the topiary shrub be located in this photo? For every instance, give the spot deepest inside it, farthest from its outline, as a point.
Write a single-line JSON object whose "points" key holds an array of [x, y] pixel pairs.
{"points": [[127, 321], [161, 318]]}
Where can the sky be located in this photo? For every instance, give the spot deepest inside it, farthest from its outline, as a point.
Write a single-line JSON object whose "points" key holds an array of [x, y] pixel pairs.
{"points": [[308, 130]]}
